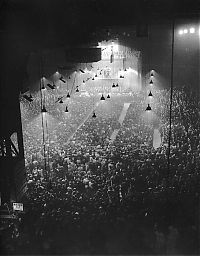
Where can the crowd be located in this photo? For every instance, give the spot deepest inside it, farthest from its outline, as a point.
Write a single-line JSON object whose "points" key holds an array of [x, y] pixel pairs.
{"points": [[123, 197]]}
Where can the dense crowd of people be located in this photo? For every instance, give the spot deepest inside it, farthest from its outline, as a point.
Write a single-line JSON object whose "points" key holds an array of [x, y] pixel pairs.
{"points": [[122, 197]]}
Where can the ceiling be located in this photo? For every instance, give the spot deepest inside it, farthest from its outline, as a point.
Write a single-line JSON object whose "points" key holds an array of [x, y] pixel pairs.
{"points": [[36, 24]]}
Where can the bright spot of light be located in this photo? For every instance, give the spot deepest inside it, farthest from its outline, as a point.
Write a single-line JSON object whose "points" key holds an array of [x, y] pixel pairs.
{"points": [[185, 31], [192, 30], [180, 32]]}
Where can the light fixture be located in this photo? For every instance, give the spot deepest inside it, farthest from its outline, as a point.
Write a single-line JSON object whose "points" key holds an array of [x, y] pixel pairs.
{"points": [[185, 31], [180, 32], [108, 97], [82, 71], [68, 95], [77, 90], [192, 30], [151, 82], [66, 110], [28, 98], [102, 97], [51, 86], [62, 79], [94, 115], [113, 85], [61, 101], [43, 87], [150, 94], [43, 109], [148, 108]]}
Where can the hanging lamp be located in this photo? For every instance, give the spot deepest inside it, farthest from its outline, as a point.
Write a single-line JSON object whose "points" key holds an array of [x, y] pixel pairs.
{"points": [[148, 108], [102, 97]]}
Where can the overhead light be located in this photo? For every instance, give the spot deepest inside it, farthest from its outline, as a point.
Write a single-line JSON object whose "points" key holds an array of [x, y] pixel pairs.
{"points": [[102, 97], [51, 86], [68, 95], [150, 94], [77, 90], [185, 31], [94, 115], [148, 108], [180, 32], [192, 30], [43, 109], [61, 101], [43, 87], [62, 79], [151, 82], [66, 110], [81, 70], [113, 85], [28, 98], [108, 97]]}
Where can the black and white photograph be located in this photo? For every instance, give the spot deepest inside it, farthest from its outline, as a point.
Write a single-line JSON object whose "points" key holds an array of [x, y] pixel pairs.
{"points": [[100, 127]]}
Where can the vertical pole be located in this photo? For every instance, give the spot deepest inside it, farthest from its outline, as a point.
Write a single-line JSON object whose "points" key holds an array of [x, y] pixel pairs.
{"points": [[171, 104]]}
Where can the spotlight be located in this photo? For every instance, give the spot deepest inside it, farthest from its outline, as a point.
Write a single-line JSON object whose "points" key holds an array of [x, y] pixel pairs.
{"points": [[192, 30], [185, 31], [66, 110], [51, 86], [108, 97], [43, 109], [148, 108], [61, 101], [62, 79], [82, 71], [68, 95], [180, 32], [94, 115], [150, 94], [151, 82], [113, 86], [102, 97], [28, 98], [77, 90]]}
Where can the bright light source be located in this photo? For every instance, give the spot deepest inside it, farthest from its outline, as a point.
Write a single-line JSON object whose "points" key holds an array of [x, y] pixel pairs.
{"points": [[192, 30], [57, 73], [185, 31], [180, 32]]}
